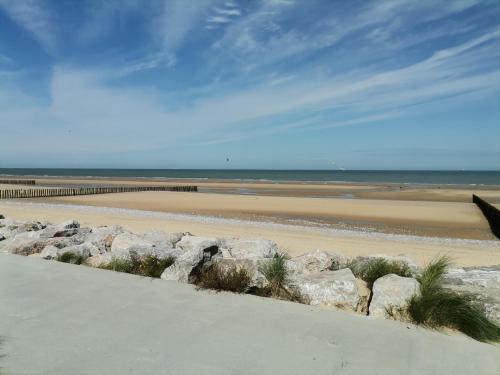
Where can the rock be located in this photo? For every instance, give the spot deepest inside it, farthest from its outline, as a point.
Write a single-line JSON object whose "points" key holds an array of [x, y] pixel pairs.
{"points": [[28, 243], [50, 252], [364, 296], [2, 237], [2, 217], [390, 293], [20, 227], [69, 224], [162, 239], [179, 271], [315, 261], [253, 266], [102, 237], [84, 250], [240, 248], [194, 252], [51, 232], [126, 245], [329, 288], [484, 282], [98, 260], [195, 249]]}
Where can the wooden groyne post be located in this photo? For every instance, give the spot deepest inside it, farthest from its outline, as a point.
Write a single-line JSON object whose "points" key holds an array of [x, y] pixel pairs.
{"points": [[491, 213], [66, 192], [17, 182]]}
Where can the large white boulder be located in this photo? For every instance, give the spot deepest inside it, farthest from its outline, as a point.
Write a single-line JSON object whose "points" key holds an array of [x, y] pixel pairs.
{"points": [[484, 282], [126, 245], [193, 253], [102, 237], [329, 288], [84, 250], [391, 293], [163, 239], [195, 249], [248, 248], [50, 252], [314, 261]]}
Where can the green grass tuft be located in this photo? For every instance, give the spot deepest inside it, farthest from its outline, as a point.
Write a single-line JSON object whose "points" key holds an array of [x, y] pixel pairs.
{"points": [[150, 265], [277, 275], [231, 279], [72, 258], [372, 269], [437, 306]]}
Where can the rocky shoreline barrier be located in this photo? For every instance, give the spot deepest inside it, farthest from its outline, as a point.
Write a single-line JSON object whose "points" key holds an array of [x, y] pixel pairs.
{"points": [[257, 265]]}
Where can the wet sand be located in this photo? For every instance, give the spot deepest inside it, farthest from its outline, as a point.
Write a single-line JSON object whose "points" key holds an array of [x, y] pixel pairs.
{"points": [[440, 219]]}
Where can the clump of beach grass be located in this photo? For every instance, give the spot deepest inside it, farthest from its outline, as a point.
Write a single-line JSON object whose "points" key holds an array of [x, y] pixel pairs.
{"points": [[149, 265], [279, 285], [437, 306], [72, 258], [230, 279], [372, 269]]}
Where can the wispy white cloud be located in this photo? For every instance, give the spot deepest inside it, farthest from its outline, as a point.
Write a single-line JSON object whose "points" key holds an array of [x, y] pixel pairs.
{"points": [[221, 16], [5, 60], [228, 12], [35, 17], [218, 19]]}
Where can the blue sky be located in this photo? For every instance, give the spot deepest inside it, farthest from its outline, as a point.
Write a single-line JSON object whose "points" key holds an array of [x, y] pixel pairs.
{"points": [[268, 83]]}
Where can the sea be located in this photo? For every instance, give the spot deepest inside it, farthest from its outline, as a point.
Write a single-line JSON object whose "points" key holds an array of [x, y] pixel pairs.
{"points": [[407, 177]]}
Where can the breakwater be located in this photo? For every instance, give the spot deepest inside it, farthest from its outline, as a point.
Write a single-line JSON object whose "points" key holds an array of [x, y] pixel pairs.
{"points": [[66, 192], [17, 182], [491, 213]]}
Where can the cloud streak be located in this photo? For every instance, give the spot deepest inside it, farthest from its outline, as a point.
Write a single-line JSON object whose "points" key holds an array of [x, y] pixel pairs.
{"points": [[35, 17]]}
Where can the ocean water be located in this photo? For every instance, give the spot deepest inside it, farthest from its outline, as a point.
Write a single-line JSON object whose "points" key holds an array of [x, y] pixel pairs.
{"points": [[397, 177]]}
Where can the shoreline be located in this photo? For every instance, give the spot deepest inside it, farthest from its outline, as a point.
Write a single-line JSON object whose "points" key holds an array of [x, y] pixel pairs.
{"points": [[271, 181]]}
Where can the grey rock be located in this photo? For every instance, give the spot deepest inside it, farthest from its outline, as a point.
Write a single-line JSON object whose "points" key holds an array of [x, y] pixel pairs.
{"points": [[162, 239], [179, 271], [84, 250], [329, 288], [51, 232], [195, 249], [315, 261], [98, 260], [240, 248], [128, 245], [484, 282], [31, 242], [391, 293], [102, 237], [194, 252], [50, 252]]}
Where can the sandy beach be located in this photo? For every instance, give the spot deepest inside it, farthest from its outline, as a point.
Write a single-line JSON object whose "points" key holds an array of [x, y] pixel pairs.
{"points": [[420, 223]]}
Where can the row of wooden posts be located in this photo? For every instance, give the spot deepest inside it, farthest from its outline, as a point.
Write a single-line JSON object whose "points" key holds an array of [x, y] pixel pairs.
{"points": [[17, 182], [65, 192]]}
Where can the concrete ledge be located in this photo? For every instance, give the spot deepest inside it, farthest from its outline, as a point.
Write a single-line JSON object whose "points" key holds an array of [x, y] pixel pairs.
{"points": [[57, 318]]}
